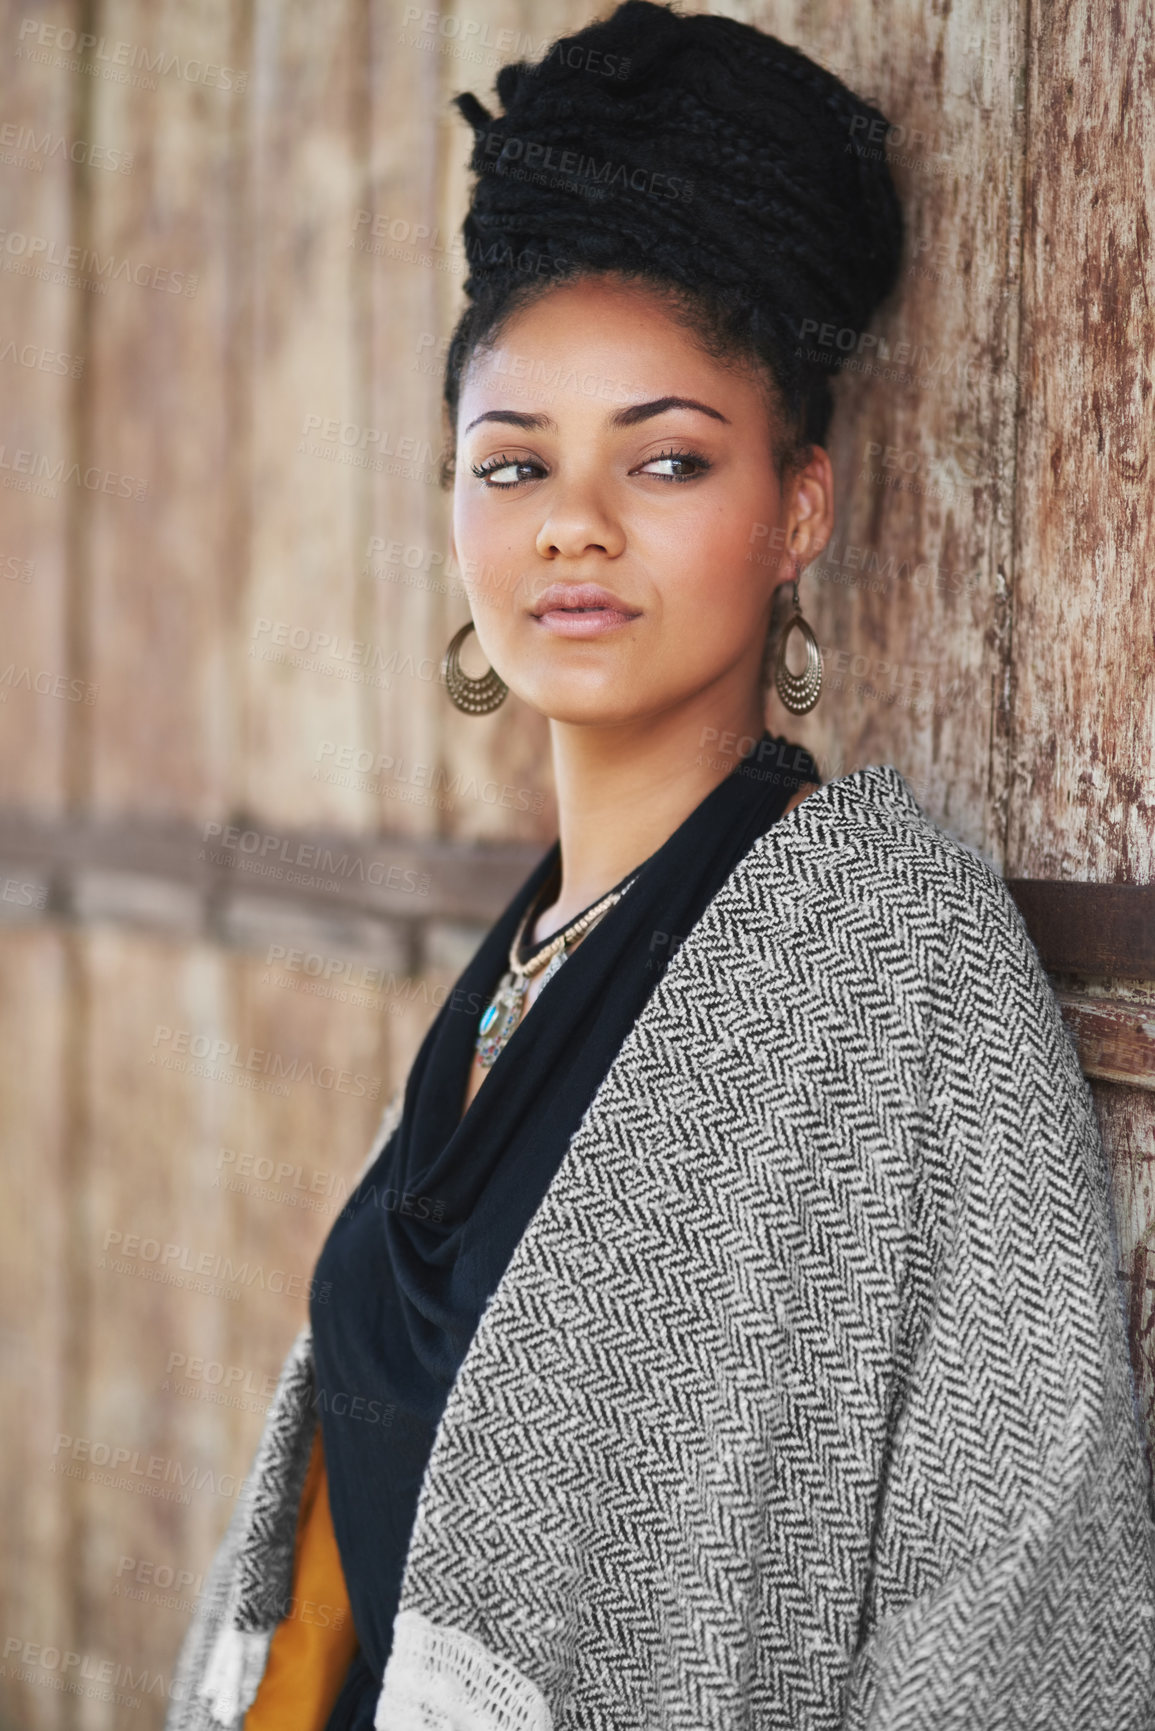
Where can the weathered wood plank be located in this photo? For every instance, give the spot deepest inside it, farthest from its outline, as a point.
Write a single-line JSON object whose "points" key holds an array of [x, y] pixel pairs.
{"points": [[1127, 1121], [1090, 928], [223, 1095], [160, 547], [324, 1065], [1115, 1040], [43, 731], [36, 1508], [404, 265], [43, 359], [153, 1255], [298, 624], [1084, 602], [909, 601]]}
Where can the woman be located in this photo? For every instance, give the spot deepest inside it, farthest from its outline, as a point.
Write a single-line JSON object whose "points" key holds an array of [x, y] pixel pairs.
{"points": [[733, 1339]]}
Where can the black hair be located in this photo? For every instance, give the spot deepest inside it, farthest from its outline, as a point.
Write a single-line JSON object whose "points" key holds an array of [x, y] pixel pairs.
{"points": [[705, 159]]}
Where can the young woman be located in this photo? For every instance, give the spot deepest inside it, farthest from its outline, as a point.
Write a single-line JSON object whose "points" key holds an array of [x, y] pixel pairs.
{"points": [[724, 1331]]}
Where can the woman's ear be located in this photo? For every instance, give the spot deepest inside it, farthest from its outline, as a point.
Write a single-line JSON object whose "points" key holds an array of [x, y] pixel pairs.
{"points": [[810, 521]]}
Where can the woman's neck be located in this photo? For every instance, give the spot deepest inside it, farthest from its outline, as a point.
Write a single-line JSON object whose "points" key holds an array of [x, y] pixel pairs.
{"points": [[623, 791]]}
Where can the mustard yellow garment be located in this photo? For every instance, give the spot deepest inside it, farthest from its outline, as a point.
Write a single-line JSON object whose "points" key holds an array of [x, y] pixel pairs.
{"points": [[312, 1647]]}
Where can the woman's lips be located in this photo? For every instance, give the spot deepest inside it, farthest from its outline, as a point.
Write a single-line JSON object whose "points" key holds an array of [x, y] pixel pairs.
{"points": [[584, 622]]}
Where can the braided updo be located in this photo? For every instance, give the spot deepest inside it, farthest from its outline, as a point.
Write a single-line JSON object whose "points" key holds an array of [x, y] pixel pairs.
{"points": [[704, 158]]}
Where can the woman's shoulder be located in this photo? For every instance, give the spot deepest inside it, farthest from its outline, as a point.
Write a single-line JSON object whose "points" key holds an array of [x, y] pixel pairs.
{"points": [[862, 850]]}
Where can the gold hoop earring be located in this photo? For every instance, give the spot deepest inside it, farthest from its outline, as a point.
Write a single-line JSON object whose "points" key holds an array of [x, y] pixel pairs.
{"points": [[472, 696], [798, 691]]}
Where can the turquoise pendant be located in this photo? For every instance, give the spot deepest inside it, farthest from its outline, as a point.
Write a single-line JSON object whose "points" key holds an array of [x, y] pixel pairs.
{"points": [[501, 1017]]}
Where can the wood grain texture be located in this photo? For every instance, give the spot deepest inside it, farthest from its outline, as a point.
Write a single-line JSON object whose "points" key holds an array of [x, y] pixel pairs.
{"points": [[150, 1246], [1115, 1041], [911, 599], [304, 361], [43, 358], [38, 1506], [229, 1105], [1083, 675], [403, 269], [1090, 928], [157, 557], [1127, 1122]]}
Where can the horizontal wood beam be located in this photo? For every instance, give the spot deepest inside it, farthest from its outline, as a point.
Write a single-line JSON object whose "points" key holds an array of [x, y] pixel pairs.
{"points": [[1087, 928], [392, 877], [1115, 1039], [202, 871]]}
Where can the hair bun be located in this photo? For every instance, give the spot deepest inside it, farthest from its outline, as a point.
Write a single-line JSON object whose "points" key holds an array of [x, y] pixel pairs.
{"points": [[701, 149]]}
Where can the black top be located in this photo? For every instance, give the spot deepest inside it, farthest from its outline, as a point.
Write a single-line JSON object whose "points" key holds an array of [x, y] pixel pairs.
{"points": [[425, 1238]]}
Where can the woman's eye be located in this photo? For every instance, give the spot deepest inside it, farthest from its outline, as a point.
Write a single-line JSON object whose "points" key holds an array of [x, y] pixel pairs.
{"points": [[698, 465], [498, 466], [504, 473]]}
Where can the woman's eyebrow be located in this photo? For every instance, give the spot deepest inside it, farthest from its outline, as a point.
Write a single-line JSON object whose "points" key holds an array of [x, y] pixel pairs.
{"points": [[627, 417]]}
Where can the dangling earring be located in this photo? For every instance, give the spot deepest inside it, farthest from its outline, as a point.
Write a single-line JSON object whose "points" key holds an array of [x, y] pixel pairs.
{"points": [[474, 696], [798, 691]]}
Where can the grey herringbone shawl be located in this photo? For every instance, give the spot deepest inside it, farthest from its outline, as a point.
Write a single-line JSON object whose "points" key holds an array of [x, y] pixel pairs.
{"points": [[804, 1402]]}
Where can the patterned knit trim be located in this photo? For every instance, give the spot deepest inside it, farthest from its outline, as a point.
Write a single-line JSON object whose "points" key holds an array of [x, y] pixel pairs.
{"points": [[233, 1673], [441, 1679], [263, 1582]]}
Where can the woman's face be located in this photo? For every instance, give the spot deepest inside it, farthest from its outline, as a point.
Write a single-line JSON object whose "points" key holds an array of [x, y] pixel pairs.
{"points": [[590, 475]]}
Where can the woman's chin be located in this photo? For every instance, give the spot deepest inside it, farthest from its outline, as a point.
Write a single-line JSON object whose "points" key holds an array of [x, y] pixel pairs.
{"points": [[582, 703]]}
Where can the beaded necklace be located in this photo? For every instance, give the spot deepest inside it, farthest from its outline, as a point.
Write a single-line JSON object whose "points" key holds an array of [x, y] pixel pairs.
{"points": [[508, 1002]]}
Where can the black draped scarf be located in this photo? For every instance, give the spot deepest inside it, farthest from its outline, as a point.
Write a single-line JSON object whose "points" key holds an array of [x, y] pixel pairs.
{"points": [[425, 1238]]}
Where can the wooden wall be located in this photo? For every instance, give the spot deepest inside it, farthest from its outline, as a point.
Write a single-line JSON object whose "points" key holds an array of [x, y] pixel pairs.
{"points": [[220, 431]]}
